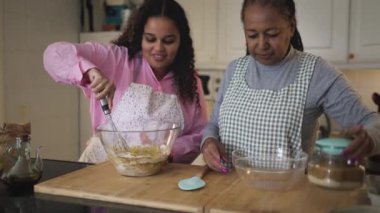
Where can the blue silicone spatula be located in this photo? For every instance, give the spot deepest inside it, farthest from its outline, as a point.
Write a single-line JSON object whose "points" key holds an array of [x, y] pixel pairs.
{"points": [[195, 182]]}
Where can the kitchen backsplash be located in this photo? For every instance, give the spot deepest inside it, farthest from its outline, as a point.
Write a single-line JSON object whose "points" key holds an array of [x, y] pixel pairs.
{"points": [[365, 82]]}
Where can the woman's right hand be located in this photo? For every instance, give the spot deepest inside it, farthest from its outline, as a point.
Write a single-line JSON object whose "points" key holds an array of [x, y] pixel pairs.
{"points": [[213, 154], [101, 86]]}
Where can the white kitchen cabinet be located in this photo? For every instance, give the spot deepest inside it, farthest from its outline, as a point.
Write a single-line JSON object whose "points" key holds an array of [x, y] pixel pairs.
{"points": [[323, 26], [340, 31], [102, 37], [231, 39], [202, 16], [216, 30], [344, 32], [364, 31], [218, 33], [219, 37]]}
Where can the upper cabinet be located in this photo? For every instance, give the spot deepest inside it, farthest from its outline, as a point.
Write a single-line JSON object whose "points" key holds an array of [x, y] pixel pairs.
{"points": [[344, 32], [323, 26], [202, 16], [216, 30], [231, 39], [341, 31], [102, 37], [364, 31]]}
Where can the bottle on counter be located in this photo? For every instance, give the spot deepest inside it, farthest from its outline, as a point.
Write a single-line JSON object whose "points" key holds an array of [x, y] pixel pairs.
{"points": [[328, 168], [23, 171]]}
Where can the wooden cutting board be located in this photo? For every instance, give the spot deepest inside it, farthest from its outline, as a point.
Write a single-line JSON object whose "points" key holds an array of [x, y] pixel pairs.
{"points": [[306, 198], [223, 193], [102, 182]]}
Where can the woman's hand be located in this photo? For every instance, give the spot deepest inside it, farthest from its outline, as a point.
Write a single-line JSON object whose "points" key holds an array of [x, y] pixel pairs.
{"points": [[101, 86], [361, 145], [213, 154]]}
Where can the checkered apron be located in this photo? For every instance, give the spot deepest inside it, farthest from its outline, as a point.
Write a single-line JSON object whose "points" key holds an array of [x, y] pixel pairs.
{"points": [[264, 122]]}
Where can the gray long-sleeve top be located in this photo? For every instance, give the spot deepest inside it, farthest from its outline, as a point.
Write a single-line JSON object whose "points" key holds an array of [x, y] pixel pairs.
{"points": [[329, 92]]}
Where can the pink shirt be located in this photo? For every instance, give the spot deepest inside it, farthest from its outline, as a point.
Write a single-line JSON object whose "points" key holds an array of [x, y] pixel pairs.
{"points": [[67, 62]]}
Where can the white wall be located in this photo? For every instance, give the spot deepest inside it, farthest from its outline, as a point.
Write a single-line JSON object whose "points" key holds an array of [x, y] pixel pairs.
{"points": [[366, 82], [30, 94], [1, 64]]}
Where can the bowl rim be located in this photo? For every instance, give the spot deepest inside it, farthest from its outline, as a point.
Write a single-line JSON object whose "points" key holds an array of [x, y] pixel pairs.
{"points": [[300, 155], [271, 171], [175, 126], [235, 163]]}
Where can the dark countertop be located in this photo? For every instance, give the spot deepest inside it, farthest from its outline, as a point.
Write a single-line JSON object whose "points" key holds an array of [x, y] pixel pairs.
{"points": [[26, 201]]}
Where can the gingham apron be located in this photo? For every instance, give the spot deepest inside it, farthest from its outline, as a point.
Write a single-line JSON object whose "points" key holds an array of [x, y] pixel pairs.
{"points": [[264, 121]]}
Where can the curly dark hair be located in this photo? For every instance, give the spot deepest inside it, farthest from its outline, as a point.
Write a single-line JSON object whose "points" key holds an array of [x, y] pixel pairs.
{"points": [[286, 8], [183, 65]]}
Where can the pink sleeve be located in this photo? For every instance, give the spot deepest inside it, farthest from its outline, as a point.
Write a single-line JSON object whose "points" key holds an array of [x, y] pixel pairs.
{"points": [[67, 62], [187, 146]]}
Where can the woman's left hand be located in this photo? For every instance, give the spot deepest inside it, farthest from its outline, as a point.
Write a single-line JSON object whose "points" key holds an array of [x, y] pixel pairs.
{"points": [[361, 144]]}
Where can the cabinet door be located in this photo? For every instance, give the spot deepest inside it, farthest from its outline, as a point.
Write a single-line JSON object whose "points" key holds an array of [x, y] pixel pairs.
{"points": [[202, 16], [102, 37], [231, 39], [365, 31], [323, 26]]}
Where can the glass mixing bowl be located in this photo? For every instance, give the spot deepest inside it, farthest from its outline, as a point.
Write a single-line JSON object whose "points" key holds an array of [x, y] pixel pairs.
{"points": [[270, 172], [139, 151]]}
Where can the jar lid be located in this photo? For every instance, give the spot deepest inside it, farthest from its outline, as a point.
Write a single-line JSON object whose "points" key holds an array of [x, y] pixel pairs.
{"points": [[333, 146]]}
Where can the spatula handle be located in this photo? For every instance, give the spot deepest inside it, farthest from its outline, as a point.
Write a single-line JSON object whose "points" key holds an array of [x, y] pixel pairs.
{"points": [[204, 171]]}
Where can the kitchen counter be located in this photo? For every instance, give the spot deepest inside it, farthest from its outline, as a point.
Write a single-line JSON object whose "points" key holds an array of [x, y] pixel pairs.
{"points": [[27, 201], [223, 193]]}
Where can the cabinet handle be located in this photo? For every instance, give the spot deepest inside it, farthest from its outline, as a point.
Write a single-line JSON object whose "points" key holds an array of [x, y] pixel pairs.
{"points": [[351, 56]]}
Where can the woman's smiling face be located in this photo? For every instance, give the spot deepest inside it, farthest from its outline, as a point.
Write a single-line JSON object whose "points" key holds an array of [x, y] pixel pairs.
{"points": [[160, 43], [267, 34]]}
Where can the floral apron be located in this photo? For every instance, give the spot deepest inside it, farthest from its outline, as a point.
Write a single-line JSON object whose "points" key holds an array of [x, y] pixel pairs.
{"points": [[264, 121], [139, 103]]}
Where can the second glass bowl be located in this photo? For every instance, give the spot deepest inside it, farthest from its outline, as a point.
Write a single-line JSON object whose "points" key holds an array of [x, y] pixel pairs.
{"points": [[270, 172]]}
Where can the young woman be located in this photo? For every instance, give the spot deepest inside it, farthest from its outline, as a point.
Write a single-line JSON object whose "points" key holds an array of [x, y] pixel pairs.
{"points": [[147, 73]]}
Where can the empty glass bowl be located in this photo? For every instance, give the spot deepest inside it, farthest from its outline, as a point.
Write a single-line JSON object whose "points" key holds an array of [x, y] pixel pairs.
{"points": [[270, 172], [139, 151]]}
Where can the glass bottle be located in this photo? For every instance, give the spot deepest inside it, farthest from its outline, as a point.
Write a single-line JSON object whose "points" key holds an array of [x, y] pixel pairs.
{"points": [[328, 168], [23, 171]]}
